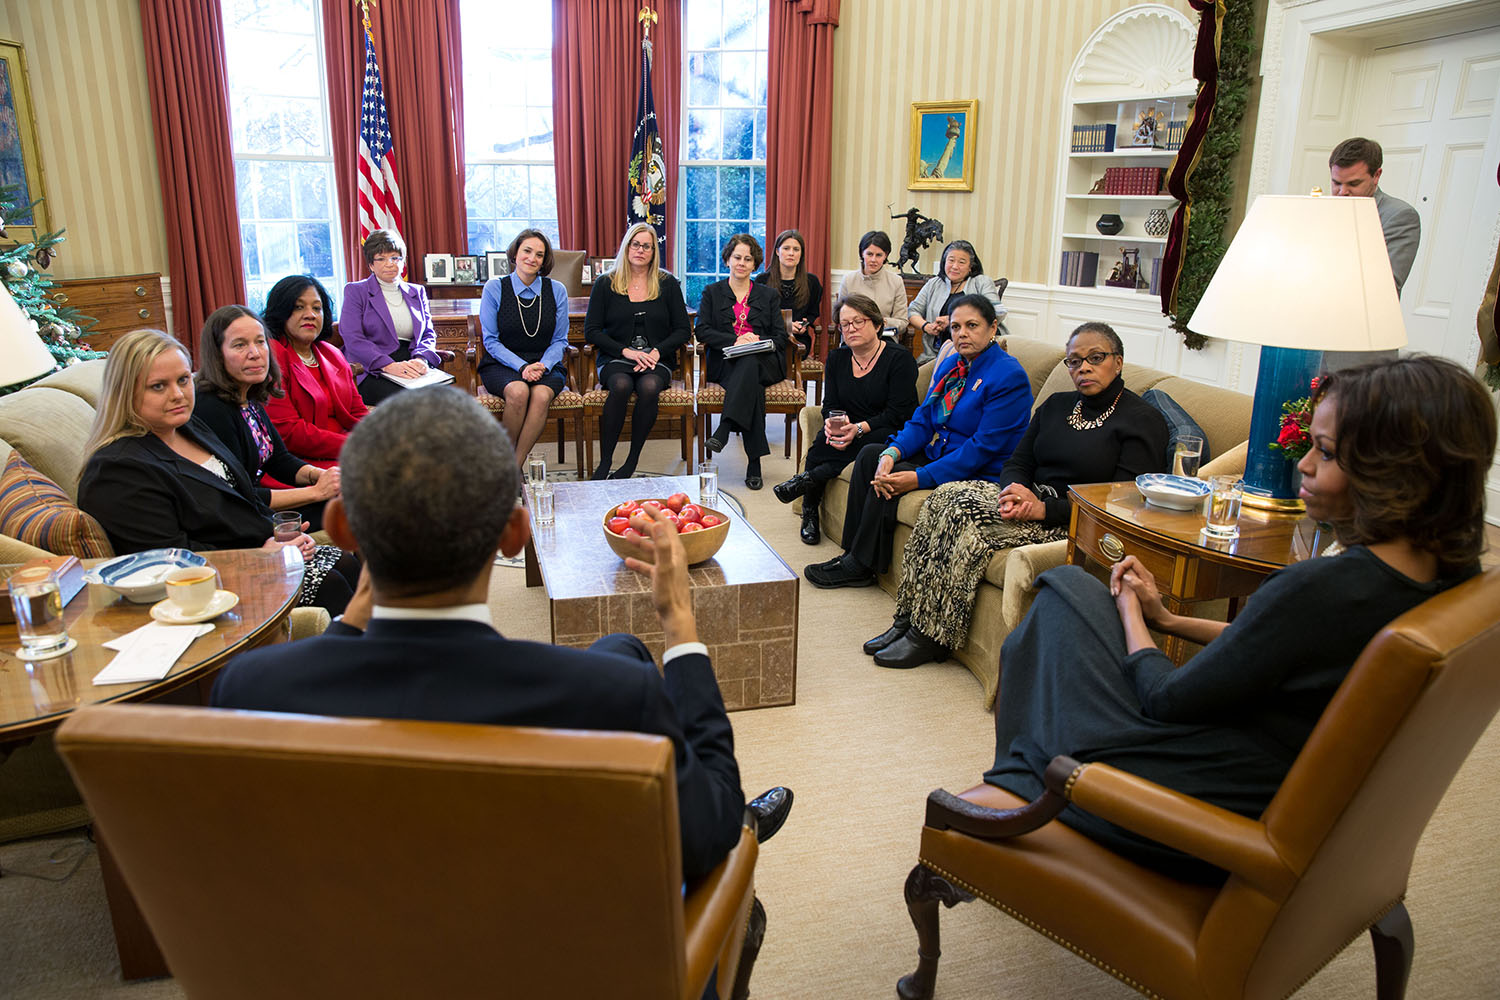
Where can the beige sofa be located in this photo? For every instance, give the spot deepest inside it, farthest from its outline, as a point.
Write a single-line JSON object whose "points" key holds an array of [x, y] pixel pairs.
{"points": [[1008, 586]]}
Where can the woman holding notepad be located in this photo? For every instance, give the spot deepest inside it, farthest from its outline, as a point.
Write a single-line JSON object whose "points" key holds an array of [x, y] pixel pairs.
{"points": [[386, 323]]}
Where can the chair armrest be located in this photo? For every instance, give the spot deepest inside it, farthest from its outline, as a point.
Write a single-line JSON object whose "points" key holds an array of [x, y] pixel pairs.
{"points": [[1231, 463], [714, 914], [1233, 842], [13, 550], [1022, 567], [356, 369], [811, 421], [445, 356], [946, 811]]}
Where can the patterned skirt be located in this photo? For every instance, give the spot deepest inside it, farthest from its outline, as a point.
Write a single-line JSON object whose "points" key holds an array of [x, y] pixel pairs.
{"points": [[323, 559], [958, 531]]}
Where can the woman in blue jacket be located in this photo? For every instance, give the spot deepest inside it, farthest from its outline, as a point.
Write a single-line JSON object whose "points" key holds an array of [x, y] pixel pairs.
{"points": [[972, 419]]}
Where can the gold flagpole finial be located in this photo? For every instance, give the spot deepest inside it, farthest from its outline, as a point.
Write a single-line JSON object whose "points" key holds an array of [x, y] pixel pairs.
{"points": [[647, 17]]}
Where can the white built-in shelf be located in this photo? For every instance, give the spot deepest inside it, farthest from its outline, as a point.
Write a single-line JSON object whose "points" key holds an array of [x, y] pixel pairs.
{"points": [[1127, 237], [1107, 291], [1121, 197], [1156, 154]]}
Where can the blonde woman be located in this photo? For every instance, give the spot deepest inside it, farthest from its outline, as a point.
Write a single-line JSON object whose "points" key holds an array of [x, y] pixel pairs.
{"points": [[638, 321], [157, 477]]}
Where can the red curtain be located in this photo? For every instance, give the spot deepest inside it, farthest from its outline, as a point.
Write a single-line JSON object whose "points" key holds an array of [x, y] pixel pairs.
{"points": [[799, 124], [596, 79], [1206, 69], [420, 53], [185, 68]]}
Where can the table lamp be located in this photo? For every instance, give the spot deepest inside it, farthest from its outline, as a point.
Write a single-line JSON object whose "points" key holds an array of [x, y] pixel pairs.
{"points": [[23, 356], [1304, 274]]}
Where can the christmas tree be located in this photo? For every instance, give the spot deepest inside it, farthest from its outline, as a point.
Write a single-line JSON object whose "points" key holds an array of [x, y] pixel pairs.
{"points": [[23, 269]]}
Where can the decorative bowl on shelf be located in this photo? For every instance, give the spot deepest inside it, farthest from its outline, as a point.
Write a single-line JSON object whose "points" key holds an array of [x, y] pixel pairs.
{"points": [[699, 543], [1172, 492], [1109, 224]]}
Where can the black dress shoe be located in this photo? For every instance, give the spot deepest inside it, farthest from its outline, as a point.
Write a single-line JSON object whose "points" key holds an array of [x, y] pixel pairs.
{"points": [[844, 573], [898, 628], [754, 481], [912, 650], [600, 473], [771, 809], [793, 488], [717, 441], [812, 532]]}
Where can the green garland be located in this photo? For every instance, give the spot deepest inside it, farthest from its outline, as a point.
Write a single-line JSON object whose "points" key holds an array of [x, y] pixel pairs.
{"points": [[1211, 187], [1492, 376]]}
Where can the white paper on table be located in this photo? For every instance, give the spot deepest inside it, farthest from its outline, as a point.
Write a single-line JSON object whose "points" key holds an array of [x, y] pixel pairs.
{"points": [[124, 642], [151, 654]]}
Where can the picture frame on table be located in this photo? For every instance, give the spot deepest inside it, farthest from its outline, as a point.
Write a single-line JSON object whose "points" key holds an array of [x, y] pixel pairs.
{"points": [[20, 156], [587, 275], [942, 145], [437, 268], [465, 269], [498, 262]]}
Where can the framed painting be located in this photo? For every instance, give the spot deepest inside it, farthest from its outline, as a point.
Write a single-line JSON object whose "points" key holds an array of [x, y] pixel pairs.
{"points": [[942, 145], [20, 158]]}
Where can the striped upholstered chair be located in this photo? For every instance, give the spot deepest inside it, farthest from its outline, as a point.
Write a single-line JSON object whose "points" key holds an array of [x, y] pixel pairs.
{"points": [[566, 407], [674, 402], [786, 397]]}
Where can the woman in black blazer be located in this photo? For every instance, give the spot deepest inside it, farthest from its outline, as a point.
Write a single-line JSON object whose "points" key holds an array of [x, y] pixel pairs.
{"points": [[733, 312], [238, 374], [156, 477], [800, 290]]}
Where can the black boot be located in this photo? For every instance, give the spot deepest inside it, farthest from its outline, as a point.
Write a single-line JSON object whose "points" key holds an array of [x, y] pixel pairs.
{"points": [[793, 488], [898, 628], [812, 500], [912, 650]]}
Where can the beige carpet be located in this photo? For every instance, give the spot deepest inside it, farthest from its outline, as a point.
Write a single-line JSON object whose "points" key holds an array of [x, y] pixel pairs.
{"points": [[862, 748]]}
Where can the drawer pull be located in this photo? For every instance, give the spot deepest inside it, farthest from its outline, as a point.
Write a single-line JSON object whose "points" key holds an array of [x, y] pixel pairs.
{"points": [[1112, 548], [144, 314], [140, 290], [60, 297]]}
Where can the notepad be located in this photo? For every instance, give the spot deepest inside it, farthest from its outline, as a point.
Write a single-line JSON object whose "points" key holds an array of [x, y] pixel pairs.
{"points": [[148, 653], [433, 376]]}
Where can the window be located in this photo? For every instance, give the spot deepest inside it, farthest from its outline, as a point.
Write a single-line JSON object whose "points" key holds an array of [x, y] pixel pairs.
{"points": [[283, 159], [509, 182], [723, 188]]}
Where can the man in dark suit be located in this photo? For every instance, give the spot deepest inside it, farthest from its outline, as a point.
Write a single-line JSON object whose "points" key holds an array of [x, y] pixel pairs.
{"points": [[428, 479]]}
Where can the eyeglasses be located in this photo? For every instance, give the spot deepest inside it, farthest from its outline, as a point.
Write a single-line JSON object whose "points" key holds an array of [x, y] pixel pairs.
{"points": [[641, 246], [388, 258], [849, 326], [1095, 360]]}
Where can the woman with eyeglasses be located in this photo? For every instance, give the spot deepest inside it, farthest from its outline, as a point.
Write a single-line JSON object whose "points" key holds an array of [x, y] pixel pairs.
{"points": [[386, 323], [881, 284], [638, 321], [930, 313], [869, 392], [1102, 433]]}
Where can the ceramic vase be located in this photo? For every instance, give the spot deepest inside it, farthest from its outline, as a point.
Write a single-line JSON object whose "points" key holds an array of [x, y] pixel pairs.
{"points": [[1109, 224], [1157, 222]]}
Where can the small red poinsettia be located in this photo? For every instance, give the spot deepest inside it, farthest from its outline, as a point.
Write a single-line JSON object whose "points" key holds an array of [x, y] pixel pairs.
{"points": [[1294, 440]]}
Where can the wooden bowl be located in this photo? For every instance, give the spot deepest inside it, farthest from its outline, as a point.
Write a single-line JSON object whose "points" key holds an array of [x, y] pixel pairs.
{"points": [[699, 545]]}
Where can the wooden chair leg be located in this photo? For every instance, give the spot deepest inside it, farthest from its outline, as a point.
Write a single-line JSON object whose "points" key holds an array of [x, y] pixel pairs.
{"points": [[786, 443], [687, 440], [562, 454], [1391, 935], [755, 933], [578, 444], [588, 444], [924, 890]]}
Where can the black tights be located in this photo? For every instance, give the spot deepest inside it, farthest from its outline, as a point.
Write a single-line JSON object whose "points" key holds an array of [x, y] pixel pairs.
{"points": [[646, 386]]}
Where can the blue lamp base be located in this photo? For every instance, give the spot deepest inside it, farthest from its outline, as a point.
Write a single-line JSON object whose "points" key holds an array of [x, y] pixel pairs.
{"points": [[1285, 374]]}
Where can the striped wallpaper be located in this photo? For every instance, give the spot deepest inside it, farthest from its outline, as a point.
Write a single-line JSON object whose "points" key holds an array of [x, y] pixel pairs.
{"points": [[87, 67], [1013, 55]]}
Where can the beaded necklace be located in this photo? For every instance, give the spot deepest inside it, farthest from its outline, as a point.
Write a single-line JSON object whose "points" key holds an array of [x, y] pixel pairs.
{"points": [[1076, 421]]}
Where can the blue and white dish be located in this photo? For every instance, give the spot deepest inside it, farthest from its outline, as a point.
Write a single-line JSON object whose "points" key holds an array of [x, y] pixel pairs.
{"points": [[141, 576], [1172, 492]]}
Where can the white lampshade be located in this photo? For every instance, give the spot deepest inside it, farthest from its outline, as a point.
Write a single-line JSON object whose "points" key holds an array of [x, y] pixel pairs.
{"points": [[1305, 272], [23, 356]]}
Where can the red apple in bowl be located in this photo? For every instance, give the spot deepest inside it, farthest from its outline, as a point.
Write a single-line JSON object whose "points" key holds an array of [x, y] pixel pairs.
{"points": [[701, 536]]}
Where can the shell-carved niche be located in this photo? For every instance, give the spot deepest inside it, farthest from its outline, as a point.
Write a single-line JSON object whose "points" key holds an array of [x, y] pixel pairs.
{"points": [[1146, 49]]}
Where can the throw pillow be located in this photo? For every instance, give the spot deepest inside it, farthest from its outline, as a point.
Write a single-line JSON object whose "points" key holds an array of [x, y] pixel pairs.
{"points": [[35, 510], [1179, 424]]}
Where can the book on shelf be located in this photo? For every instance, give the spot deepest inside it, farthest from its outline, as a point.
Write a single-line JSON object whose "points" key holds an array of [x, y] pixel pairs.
{"points": [[1155, 275], [1176, 133], [1093, 138], [1080, 268]]}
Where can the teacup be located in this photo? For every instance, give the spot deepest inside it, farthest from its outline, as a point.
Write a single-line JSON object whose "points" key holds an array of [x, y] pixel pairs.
{"points": [[191, 588]]}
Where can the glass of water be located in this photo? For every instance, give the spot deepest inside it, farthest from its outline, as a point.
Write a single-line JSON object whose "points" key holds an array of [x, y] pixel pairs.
{"points": [[1186, 455], [37, 602], [708, 484], [286, 525], [1224, 507], [536, 473], [542, 507]]}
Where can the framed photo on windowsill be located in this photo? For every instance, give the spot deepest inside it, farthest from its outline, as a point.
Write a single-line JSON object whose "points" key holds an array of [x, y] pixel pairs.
{"points": [[942, 145], [465, 270], [438, 268], [498, 263]]}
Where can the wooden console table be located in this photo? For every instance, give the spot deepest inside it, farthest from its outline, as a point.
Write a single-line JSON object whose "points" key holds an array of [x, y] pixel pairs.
{"points": [[1113, 520]]}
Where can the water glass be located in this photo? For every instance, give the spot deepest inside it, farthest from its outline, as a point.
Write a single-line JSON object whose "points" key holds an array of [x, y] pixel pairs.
{"points": [[542, 508], [836, 419], [708, 484], [1186, 455], [536, 473], [1224, 507], [37, 601], [286, 525]]}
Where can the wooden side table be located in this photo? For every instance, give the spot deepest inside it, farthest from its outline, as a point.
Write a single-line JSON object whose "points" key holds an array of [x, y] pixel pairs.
{"points": [[1113, 520]]}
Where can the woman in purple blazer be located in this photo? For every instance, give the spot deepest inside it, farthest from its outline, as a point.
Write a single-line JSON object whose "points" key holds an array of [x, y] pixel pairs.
{"points": [[385, 322]]}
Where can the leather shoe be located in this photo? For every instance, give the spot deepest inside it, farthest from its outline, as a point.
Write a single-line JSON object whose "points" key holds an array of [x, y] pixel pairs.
{"points": [[770, 809], [912, 650], [812, 531], [898, 628], [754, 482], [793, 488], [843, 573], [717, 441]]}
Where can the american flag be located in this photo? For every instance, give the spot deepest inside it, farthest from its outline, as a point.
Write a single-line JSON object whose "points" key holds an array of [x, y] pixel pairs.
{"points": [[379, 194]]}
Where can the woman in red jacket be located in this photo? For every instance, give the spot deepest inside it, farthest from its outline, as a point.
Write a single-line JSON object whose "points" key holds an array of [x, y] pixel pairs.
{"points": [[322, 403]]}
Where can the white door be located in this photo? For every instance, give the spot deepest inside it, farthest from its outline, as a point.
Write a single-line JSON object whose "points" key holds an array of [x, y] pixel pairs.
{"points": [[1429, 104]]}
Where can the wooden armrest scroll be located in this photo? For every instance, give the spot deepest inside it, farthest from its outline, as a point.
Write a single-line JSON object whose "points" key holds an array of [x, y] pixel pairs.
{"points": [[946, 811], [445, 355], [1233, 842]]}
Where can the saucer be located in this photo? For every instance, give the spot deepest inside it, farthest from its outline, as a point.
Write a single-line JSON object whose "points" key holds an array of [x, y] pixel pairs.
{"points": [[166, 613], [51, 654]]}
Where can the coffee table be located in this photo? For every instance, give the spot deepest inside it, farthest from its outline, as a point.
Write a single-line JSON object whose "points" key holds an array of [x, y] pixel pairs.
{"points": [[745, 598]]}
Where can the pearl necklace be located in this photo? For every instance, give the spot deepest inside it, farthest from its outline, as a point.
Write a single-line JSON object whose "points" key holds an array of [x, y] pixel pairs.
{"points": [[310, 359], [1076, 421], [521, 312]]}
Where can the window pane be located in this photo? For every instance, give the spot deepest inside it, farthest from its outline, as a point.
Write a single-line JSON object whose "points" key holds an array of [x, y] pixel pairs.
{"points": [[702, 192], [693, 289], [544, 194], [703, 79], [278, 248], [315, 245], [311, 191], [703, 246], [738, 127], [481, 237], [539, 133], [250, 251], [479, 191], [758, 194], [702, 24], [273, 190], [740, 25], [734, 193], [704, 141], [760, 133], [512, 192], [737, 75]]}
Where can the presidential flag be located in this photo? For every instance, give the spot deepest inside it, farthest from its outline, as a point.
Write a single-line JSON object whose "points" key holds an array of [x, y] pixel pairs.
{"points": [[379, 194], [646, 196]]}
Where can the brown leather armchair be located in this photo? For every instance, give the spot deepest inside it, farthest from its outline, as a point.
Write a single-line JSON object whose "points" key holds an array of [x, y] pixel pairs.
{"points": [[1328, 859], [301, 856]]}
